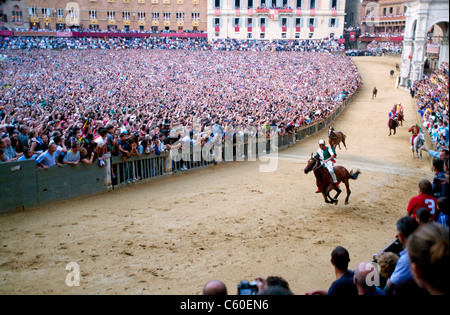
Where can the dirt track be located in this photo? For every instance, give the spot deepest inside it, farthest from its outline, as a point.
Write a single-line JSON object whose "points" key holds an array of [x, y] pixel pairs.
{"points": [[229, 222]]}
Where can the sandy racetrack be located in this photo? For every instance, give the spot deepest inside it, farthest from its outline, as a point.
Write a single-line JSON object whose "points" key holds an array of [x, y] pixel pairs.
{"points": [[230, 221]]}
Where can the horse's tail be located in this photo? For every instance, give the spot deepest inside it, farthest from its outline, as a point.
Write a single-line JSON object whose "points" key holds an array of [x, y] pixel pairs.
{"points": [[354, 175]]}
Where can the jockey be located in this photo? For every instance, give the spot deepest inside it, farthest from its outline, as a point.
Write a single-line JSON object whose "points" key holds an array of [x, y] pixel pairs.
{"points": [[392, 114], [399, 107], [328, 156], [415, 130]]}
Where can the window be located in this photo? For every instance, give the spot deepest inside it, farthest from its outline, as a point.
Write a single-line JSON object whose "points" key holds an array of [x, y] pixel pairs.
{"points": [[283, 35], [180, 16], [216, 4], [45, 12], [262, 22], [273, 3], [155, 16], [298, 4], [384, 11], [216, 22], [126, 16], [311, 22], [236, 22], [332, 23], [298, 22], [111, 15], [312, 4], [59, 13], [33, 12], [237, 4], [285, 4], [195, 16], [333, 4], [249, 35], [166, 16], [92, 15], [311, 35], [249, 4], [391, 10], [297, 35], [141, 16], [262, 35], [249, 22]]}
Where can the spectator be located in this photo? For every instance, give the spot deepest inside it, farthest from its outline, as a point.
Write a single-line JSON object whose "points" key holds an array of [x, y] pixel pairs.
{"points": [[215, 287], [424, 199], [443, 206], [365, 279], [73, 155], [405, 227], [271, 281], [84, 158], [386, 262], [26, 155], [439, 185], [275, 290], [423, 216], [8, 151], [48, 158], [343, 285], [428, 250]]}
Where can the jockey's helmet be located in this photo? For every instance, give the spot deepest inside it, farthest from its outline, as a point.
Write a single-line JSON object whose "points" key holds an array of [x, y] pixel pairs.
{"points": [[321, 141]]}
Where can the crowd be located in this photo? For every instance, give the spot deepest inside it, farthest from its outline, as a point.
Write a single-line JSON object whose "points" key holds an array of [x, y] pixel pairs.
{"points": [[378, 48], [63, 97], [432, 97], [114, 43]]}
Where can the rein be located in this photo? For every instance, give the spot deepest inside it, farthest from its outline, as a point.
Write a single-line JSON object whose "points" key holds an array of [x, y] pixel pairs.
{"points": [[315, 166]]}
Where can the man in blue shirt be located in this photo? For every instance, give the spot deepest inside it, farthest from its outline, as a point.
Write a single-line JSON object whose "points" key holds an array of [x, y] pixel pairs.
{"points": [[49, 158], [402, 272]]}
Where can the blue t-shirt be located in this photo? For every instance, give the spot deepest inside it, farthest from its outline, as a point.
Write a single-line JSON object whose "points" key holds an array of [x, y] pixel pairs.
{"points": [[402, 271], [344, 285]]}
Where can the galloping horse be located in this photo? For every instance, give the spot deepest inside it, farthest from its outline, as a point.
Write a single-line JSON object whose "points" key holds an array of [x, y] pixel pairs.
{"points": [[419, 141], [397, 66], [400, 117], [393, 124], [335, 139], [374, 92], [392, 73], [324, 180]]}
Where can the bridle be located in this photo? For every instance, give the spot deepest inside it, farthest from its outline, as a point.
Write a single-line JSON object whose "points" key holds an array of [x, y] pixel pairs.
{"points": [[316, 165]]}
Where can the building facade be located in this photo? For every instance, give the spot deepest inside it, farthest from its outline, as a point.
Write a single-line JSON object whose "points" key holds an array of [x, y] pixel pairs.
{"points": [[275, 19], [130, 15], [383, 16]]}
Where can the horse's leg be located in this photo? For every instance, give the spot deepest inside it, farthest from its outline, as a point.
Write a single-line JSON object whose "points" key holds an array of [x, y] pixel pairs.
{"points": [[343, 141], [347, 187], [326, 196]]}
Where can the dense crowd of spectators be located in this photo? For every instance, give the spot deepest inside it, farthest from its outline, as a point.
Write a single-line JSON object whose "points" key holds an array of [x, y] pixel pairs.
{"points": [[73, 96]]}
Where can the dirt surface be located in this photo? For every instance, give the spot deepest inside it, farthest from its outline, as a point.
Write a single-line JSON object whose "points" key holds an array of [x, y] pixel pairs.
{"points": [[230, 221]]}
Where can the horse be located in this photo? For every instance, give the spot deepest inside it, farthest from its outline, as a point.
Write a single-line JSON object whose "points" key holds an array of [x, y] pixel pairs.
{"points": [[400, 117], [393, 124], [397, 66], [392, 73], [335, 139], [418, 142], [374, 92], [324, 180]]}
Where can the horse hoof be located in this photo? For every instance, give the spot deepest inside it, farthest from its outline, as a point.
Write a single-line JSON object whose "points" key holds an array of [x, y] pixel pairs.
{"points": [[335, 201], [346, 202]]}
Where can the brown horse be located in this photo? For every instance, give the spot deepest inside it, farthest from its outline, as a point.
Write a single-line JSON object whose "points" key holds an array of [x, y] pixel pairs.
{"points": [[400, 117], [325, 182], [374, 92], [335, 139], [393, 124], [397, 66]]}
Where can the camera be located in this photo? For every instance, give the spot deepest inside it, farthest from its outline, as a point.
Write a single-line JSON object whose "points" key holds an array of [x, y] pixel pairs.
{"points": [[247, 288]]}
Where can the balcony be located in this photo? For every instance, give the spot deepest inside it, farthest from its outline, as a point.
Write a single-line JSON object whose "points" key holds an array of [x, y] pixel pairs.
{"points": [[127, 22], [166, 23], [155, 23], [141, 23], [112, 22], [196, 23], [60, 20], [93, 21], [34, 19], [286, 11], [262, 11]]}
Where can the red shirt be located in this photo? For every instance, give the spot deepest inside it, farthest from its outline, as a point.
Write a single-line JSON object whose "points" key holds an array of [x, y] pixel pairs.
{"points": [[422, 201]]}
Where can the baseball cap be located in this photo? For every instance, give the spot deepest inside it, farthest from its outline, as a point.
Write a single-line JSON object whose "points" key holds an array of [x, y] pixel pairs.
{"points": [[321, 141]]}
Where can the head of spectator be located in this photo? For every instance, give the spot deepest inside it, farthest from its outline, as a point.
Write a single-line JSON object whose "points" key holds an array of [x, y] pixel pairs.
{"points": [[366, 276], [386, 262], [428, 250], [405, 227], [215, 287], [423, 216], [276, 290]]}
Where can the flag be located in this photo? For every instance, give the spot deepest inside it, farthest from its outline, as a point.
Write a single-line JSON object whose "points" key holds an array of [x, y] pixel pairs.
{"points": [[298, 12], [283, 28], [263, 28], [250, 11], [236, 28], [352, 36], [216, 11], [341, 41], [334, 12], [311, 28], [297, 29], [249, 29], [238, 11], [217, 28], [312, 11]]}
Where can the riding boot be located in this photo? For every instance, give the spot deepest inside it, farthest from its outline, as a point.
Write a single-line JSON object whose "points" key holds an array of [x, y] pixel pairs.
{"points": [[318, 191]]}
